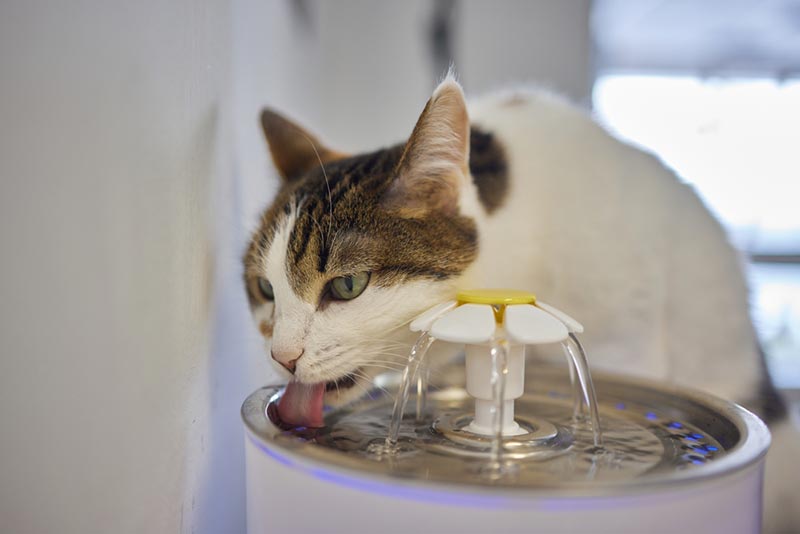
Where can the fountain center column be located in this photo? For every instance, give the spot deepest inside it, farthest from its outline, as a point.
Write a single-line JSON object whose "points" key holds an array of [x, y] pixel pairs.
{"points": [[479, 385]]}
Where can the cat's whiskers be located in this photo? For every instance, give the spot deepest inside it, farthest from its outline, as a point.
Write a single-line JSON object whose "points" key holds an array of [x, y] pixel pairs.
{"points": [[367, 380], [398, 351], [378, 348], [398, 362], [376, 356], [394, 357], [402, 324], [395, 366], [338, 392], [368, 345], [389, 342], [384, 341]]}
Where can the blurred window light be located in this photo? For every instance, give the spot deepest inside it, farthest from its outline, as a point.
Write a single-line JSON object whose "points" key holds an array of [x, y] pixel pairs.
{"points": [[734, 139]]}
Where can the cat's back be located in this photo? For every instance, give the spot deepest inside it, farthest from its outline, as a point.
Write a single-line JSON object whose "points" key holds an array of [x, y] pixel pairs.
{"points": [[541, 126], [572, 190], [566, 173], [606, 231]]}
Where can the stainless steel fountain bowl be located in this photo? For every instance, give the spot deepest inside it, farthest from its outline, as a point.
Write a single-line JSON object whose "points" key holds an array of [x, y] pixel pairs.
{"points": [[305, 484]]}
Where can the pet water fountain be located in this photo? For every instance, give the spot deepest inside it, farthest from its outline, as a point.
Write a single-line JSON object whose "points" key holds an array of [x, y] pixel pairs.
{"points": [[491, 447]]}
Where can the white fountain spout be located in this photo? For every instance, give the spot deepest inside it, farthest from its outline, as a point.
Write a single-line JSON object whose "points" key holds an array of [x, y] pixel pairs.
{"points": [[479, 386], [487, 321]]}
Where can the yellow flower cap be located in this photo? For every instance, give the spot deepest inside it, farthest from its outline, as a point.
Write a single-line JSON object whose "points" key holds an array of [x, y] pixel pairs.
{"points": [[495, 297]]}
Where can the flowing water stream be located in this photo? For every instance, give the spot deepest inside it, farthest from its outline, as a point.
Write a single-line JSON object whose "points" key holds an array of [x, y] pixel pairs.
{"points": [[415, 371], [499, 354], [586, 408]]}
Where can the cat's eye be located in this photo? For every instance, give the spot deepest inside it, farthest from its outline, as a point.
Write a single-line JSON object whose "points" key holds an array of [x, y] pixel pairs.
{"points": [[349, 287], [266, 289]]}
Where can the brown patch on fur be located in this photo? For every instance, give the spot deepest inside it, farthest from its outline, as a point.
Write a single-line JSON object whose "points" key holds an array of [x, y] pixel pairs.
{"points": [[265, 328], [489, 168]]}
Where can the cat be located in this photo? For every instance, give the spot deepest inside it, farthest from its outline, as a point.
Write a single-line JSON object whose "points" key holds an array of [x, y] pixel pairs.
{"points": [[519, 190]]}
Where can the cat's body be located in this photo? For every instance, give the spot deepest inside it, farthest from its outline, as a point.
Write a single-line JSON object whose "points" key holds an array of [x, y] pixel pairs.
{"points": [[606, 232], [553, 204]]}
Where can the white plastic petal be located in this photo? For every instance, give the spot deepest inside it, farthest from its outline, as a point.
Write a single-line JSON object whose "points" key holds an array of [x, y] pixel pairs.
{"points": [[528, 324], [572, 325], [469, 323], [423, 322]]}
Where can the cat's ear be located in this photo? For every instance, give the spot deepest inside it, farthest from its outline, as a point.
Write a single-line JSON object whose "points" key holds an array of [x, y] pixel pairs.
{"points": [[294, 150], [435, 161]]}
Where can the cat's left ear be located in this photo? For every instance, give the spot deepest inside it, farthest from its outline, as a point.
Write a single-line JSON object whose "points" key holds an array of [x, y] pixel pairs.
{"points": [[435, 162], [294, 150]]}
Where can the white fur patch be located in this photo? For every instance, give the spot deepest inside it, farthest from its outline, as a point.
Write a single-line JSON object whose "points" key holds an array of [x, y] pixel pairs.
{"points": [[292, 316]]}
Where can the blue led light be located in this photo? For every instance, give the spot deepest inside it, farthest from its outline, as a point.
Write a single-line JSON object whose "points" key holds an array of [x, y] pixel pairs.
{"points": [[269, 452], [711, 448], [390, 489], [695, 435], [410, 493], [697, 462], [675, 424], [620, 406], [651, 416]]}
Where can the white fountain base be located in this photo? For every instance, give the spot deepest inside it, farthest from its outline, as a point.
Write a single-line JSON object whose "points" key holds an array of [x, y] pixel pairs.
{"points": [[435, 481], [293, 494]]}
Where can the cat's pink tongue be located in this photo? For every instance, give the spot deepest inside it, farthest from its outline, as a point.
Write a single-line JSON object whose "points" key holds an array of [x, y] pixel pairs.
{"points": [[301, 404]]}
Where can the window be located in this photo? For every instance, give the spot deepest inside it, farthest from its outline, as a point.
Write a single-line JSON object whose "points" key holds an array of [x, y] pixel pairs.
{"points": [[735, 140]]}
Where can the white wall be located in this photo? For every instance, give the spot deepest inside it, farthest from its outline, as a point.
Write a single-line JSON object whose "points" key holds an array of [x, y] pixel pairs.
{"points": [[358, 72], [132, 170], [109, 115], [517, 41]]}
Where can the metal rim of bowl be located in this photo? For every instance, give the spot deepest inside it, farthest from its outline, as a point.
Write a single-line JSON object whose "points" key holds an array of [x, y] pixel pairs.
{"points": [[750, 448]]}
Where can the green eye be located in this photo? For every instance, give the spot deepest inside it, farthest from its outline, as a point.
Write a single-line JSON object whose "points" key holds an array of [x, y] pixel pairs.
{"points": [[266, 289], [349, 287]]}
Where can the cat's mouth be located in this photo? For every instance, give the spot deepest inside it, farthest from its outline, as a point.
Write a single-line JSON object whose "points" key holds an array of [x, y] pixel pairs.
{"points": [[301, 404], [345, 382]]}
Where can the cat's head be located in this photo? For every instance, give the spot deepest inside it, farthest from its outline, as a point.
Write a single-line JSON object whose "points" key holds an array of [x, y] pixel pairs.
{"points": [[354, 247]]}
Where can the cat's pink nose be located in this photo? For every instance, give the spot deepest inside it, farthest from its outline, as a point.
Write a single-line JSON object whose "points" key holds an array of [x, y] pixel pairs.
{"points": [[288, 359]]}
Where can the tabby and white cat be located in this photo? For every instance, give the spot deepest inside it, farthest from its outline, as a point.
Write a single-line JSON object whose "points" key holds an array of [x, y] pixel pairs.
{"points": [[518, 190]]}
